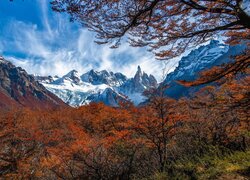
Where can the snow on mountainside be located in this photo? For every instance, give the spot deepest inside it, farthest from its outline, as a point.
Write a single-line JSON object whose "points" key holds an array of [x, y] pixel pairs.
{"points": [[196, 61], [110, 88], [103, 86], [46, 79], [104, 77], [134, 87]]}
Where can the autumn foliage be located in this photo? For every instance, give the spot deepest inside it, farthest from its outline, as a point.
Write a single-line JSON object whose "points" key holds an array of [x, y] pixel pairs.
{"points": [[100, 142], [169, 26], [163, 136]]}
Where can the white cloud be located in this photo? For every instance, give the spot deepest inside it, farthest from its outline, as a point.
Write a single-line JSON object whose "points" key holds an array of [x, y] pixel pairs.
{"points": [[59, 47], [45, 20]]}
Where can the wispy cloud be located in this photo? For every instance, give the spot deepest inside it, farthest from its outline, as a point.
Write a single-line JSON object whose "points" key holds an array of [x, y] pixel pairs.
{"points": [[59, 46], [45, 19]]}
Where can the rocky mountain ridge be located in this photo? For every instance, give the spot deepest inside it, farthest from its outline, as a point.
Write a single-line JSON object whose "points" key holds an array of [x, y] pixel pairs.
{"points": [[213, 54], [99, 86], [19, 89]]}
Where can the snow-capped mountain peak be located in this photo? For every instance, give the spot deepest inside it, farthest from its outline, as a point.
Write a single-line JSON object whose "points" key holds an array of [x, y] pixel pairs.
{"points": [[100, 86], [72, 76], [202, 58], [198, 59], [104, 77], [110, 88], [73, 73], [135, 86]]}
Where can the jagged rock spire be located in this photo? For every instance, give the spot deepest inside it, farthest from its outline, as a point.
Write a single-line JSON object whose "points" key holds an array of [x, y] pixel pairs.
{"points": [[138, 74]]}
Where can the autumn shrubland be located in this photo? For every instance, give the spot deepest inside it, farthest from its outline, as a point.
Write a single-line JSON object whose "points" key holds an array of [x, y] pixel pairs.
{"points": [[204, 137]]}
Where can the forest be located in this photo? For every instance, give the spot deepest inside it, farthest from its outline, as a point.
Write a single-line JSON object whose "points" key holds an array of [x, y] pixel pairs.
{"points": [[204, 136]]}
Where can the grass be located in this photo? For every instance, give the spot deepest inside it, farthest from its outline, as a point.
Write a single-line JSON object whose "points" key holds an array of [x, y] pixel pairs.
{"points": [[235, 166], [211, 167]]}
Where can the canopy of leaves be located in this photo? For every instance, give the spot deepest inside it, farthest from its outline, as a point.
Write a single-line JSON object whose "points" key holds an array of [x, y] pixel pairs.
{"points": [[168, 27]]}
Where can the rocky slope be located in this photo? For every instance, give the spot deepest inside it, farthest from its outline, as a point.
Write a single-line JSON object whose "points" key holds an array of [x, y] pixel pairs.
{"points": [[18, 89], [196, 61], [103, 86]]}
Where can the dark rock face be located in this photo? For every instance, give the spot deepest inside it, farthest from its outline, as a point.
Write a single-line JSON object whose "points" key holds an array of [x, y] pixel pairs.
{"points": [[20, 89], [103, 77], [200, 59], [73, 75], [44, 79]]}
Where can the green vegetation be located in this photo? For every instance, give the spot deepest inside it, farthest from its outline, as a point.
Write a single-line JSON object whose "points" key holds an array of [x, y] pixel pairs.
{"points": [[235, 165]]}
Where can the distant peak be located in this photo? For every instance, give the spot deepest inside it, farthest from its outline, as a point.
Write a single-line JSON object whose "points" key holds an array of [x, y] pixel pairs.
{"points": [[92, 71], [138, 68], [104, 71], [72, 73], [139, 71]]}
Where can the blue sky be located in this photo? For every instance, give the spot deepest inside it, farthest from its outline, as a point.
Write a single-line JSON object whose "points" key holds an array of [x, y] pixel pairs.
{"points": [[46, 43]]}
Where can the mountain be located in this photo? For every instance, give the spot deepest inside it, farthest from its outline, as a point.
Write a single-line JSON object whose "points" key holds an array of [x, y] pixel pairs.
{"points": [[202, 58], [99, 86], [104, 77], [46, 79], [134, 87], [109, 96], [19, 89]]}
